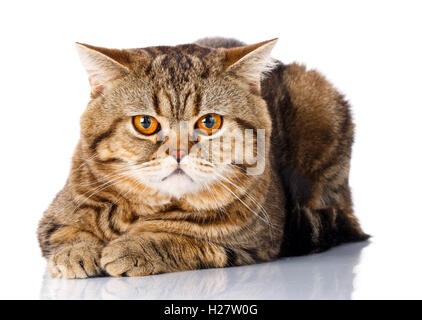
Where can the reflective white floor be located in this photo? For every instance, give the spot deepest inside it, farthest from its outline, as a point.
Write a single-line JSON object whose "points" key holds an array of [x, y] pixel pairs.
{"points": [[329, 275]]}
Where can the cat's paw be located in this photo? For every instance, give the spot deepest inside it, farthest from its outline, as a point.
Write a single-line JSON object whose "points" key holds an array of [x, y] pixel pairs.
{"points": [[75, 261], [129, 256]]}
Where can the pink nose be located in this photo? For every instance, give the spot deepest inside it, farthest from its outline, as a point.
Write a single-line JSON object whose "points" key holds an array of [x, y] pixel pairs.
{"points": [[178, 154]]}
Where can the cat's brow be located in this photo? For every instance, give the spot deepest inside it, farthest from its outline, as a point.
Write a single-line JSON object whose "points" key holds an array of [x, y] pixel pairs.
{"points": [[156, 103], [138, 110]]}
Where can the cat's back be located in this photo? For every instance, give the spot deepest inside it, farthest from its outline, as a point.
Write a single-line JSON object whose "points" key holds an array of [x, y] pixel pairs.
{"points": [[219, 42]]}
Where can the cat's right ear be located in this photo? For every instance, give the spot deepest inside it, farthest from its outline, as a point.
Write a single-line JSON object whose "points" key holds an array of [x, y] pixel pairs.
{"points": [[102, 65], [250, 63]]}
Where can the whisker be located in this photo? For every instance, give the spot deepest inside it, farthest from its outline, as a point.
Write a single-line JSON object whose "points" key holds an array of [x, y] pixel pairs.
{"points": [[241, 201], [99, 189], [95, 191], [259, 206]]}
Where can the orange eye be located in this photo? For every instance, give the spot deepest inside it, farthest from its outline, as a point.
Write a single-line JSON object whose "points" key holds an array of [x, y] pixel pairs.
{"points": [[146, 124], [209, 123]]}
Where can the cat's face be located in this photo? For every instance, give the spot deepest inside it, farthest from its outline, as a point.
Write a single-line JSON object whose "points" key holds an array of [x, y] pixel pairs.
{"points": [[173, 119]]}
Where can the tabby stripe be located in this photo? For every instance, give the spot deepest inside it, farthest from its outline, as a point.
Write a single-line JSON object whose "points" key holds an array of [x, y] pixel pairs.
{"points": [[197, 103], [105, 135], [97, 210], [170, 102], [151, 52], [189, 62], [253, 253], [183, 107], [165, 61], [153, 245], [201, 264], [148, 71], [110, 221], [111, 160], [169, 254], [205, 74], [202, 251], [156, 104], [245, 124], [52, 229], [134, 217], [203, 52], [231, 257]]}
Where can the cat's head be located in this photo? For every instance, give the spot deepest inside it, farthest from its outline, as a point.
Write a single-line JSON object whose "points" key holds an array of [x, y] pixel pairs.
{"points": [[174, 119]]}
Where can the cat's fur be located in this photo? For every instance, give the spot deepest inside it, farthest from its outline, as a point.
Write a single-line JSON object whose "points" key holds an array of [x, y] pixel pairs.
{"points": [[105, 220]]}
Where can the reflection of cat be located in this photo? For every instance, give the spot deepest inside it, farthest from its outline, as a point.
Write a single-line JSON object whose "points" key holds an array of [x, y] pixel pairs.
{"points": [[328, 275], [140, 201]]}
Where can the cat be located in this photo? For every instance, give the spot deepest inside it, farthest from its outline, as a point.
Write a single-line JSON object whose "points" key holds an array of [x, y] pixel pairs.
{"points": [[140, 201]]}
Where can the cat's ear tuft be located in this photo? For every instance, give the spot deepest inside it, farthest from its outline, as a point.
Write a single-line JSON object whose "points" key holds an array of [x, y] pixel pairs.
{"points": [[250, 63], [102, 65]]}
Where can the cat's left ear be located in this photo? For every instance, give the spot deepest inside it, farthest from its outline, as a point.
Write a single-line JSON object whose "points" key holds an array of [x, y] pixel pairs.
{"points": [[103, 65], [250, 63]]}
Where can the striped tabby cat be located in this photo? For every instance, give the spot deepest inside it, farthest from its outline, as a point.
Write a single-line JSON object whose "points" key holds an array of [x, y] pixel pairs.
{"points": [[141, 199]]}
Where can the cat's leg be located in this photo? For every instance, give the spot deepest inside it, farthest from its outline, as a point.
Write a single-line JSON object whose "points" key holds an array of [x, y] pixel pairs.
{"points": [[317, 138], [70, 239], [149, 253]]}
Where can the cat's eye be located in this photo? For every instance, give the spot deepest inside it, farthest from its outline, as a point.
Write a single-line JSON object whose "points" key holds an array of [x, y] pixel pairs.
{"points": [[209, 123], [146, 125]]}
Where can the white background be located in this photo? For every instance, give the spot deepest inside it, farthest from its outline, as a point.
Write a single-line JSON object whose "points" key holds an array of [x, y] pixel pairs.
{"points": [[370, 50]]}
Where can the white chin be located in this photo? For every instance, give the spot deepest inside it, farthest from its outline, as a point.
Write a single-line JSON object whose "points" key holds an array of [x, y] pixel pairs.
{"points": [[178, 185]]}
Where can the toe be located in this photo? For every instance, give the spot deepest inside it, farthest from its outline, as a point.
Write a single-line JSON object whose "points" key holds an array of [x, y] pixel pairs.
{"points": [[119, 266], [144, 270], [54, 270], [83, 264]]}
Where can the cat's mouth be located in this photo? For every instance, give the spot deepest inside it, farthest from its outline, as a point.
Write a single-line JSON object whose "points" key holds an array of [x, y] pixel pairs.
{"points": [[178, 172]]}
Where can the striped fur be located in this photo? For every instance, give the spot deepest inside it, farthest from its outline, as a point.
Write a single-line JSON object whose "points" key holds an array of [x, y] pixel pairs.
{"points": [[104, 221]]}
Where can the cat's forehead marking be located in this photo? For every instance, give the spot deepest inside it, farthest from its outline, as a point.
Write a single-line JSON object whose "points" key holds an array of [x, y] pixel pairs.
{"points": [[187, 49], [175, 73], [177, 64], [177, 104]]}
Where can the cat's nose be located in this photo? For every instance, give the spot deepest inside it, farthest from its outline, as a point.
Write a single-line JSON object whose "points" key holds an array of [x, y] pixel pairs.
{"points": [[178, 154]]}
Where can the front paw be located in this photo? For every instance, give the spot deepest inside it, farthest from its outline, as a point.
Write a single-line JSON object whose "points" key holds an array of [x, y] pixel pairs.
{"points": [[130, 256], [75, 261]]}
